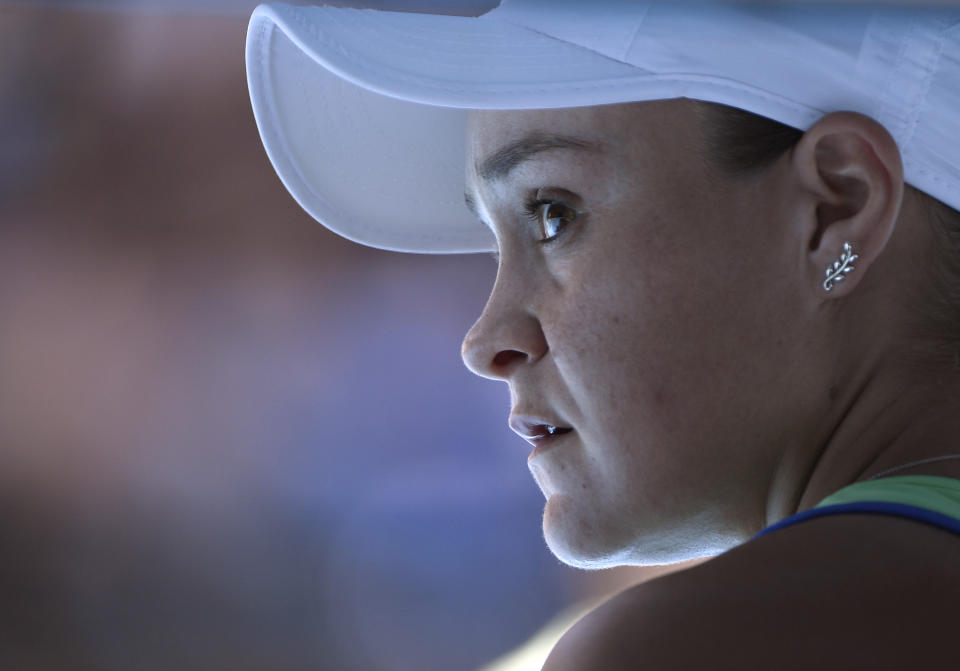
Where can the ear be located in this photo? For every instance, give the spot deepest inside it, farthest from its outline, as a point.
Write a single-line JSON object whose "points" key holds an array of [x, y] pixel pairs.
{"points": [[851, 188]]}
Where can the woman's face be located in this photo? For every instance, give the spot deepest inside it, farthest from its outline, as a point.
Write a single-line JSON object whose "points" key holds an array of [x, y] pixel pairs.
{"points": [[656, 324]]}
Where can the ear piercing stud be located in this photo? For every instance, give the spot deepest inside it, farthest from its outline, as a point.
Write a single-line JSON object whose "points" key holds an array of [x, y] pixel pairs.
{"points": [[840, 267]]}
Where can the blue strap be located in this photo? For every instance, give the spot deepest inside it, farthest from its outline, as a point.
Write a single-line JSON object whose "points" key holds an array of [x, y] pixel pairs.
{"points": [[876, 507]]}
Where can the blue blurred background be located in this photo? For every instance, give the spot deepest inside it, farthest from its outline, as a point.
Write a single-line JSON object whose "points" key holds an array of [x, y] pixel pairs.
{"points": [[230, 439]]}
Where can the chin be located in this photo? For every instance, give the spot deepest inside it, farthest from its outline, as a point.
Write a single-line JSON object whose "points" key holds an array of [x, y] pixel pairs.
{"points": [[595, 544], [579, 542]]}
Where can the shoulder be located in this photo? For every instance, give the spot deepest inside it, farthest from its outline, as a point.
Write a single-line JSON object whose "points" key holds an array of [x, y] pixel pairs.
{"points": [[842, 592], [665, 624]]}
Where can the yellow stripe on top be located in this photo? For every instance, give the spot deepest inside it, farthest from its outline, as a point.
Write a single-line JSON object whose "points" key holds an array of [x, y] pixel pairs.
{"points": [[925, 491]]}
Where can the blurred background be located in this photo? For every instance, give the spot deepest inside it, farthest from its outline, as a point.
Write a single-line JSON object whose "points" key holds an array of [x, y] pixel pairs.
{"points": [[230, 439]]}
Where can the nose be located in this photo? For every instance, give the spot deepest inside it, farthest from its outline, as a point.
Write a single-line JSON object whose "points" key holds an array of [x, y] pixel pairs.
{"points": [[507, 335]]}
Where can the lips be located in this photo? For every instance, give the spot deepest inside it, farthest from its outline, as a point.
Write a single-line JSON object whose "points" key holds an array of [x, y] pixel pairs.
{"points": [[536, 429]]}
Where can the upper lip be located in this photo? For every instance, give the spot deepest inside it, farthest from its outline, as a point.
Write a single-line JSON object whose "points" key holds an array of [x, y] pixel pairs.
{"points": [[532, 427]]}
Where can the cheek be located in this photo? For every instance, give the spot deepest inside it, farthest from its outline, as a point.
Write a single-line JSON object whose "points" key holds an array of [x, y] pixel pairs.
{"points": [[600, 343], [629, 341]]}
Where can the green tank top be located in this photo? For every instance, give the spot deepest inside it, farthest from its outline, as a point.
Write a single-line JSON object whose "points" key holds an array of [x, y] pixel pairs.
{"points": [[923, 491], [930, 499]]}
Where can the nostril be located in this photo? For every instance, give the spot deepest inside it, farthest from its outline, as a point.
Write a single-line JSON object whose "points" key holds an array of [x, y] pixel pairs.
{"points": [[506, 356]]}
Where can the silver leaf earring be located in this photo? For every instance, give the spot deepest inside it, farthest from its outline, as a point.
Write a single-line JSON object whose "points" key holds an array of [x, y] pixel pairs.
{"points": [[840, 267]]}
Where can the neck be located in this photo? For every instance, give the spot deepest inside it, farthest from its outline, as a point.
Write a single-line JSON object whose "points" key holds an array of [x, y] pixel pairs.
{"points": [[914, 464], [890, 420]]}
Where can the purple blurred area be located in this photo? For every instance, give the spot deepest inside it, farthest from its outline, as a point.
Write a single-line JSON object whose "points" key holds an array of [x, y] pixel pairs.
{"points": [[230, 439]]}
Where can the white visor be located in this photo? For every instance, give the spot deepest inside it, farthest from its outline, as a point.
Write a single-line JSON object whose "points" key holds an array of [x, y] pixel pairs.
{"points": [[363, 112]]}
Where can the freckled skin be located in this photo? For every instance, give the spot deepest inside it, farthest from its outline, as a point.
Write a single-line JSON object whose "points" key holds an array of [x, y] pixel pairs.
{"points": [[680, 328]]}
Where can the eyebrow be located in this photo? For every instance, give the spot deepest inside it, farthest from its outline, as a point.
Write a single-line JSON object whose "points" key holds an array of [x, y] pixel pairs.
{"points": [[499, 165]]}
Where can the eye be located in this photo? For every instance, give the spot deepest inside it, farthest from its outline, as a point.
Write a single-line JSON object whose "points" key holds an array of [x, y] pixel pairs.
{"points": [[552, 216]]}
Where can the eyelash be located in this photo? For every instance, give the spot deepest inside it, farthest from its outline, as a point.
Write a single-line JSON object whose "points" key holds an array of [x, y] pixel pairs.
{"points": [[532, 210]]}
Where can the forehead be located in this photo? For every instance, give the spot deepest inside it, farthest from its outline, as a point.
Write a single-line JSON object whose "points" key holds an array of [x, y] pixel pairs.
{"points": [[619, 131], [489, 130], [499, 126]]}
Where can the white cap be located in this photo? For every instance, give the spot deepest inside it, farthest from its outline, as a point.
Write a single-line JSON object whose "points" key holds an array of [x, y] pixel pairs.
{"points": [[363, 112]]}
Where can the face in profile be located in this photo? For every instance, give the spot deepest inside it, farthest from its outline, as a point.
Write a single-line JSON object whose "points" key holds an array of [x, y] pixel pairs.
{"points": [[627, 307]]}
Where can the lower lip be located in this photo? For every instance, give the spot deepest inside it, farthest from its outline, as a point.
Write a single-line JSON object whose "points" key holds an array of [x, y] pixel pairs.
{"points": [[547, 443]]}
